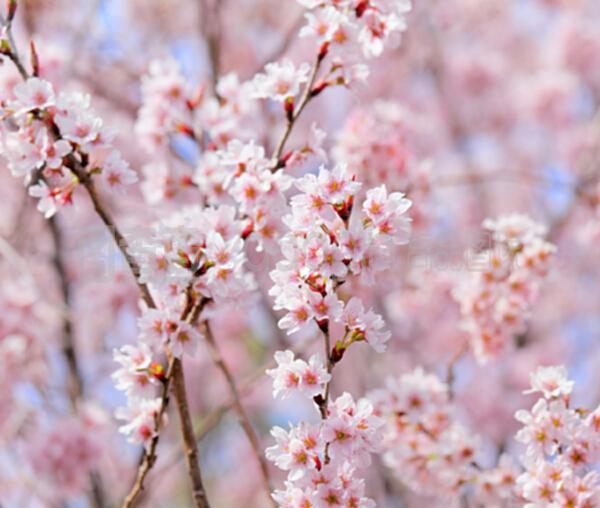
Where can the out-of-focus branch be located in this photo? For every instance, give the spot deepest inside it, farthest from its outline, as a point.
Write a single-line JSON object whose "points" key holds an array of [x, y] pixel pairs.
{"points": [[286, 42], [457, 131], [590, 174], [210, 27], [219, 361], [482, 178], [75, 388], [451, 374], [75, 383], [210, 421]]}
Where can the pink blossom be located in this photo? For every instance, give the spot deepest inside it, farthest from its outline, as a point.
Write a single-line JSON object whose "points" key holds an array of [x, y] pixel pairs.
{"points": [[35, 93], [281, 81], [551, 382], [293, 375]]}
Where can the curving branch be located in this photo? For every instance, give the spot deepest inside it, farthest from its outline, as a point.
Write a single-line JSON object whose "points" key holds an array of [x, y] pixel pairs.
{"points": [[8, 49], [218, 360]]}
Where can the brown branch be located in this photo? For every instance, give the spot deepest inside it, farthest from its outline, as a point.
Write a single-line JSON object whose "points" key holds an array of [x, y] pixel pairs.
{"points": [[174, 378], [218, 360], [190, 446], [210, 421], [75, 388], [210, 28], [120, 240], [323, 402], [187, 431], [149, 457]]}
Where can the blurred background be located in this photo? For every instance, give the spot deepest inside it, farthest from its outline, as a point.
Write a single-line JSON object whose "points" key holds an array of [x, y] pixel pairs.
{"points": [[487, 107]]}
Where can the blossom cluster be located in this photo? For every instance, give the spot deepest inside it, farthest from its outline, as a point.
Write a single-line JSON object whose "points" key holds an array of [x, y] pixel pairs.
{"points": [[500, 94], [562, 445], [171, 109], [374, 144], [427, 447], [171, 105], [231, 168], [51, 137], [322, 459], [192, 258], [497, 300], [379, 143], [241, 174], [328, 241], [352, 27], [348, 32]]}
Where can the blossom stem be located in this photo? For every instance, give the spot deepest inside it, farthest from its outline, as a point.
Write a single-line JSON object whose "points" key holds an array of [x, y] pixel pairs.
{"points": [[219, 361], [329, 365], [291, 121]]}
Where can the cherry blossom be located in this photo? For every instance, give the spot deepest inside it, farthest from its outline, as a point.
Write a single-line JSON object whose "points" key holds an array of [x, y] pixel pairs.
{"points": [[387, 209], [280, 82]]}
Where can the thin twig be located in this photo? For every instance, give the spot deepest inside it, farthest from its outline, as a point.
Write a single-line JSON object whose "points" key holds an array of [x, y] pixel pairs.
{"points": [[239, 408], [149, 457], [450, 374], [210, 27], [174, 378], [210, 421], [307, 94], [288, 39]]}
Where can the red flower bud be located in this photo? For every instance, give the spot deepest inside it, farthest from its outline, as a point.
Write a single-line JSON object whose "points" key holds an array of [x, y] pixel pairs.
{"points": [[288, 106], [198, 97], [323, 50], [361, 8], [319, 87], [157, 371], [248, 230], [185, 129]]}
